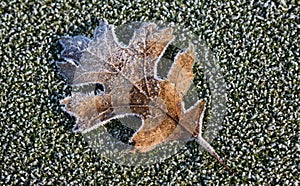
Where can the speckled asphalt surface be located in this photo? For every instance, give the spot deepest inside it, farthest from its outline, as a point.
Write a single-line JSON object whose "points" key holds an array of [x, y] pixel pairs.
{"points": [[257, 47]]}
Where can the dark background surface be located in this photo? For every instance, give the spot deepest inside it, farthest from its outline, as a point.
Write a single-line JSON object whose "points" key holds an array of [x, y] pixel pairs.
{"points": [[257, 47]]}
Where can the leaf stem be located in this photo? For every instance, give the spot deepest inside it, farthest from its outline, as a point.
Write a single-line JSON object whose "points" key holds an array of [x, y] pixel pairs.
{"points": [[212, 151]]}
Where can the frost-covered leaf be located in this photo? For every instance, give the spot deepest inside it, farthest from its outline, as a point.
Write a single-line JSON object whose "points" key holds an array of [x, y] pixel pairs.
{"points": [[132, 86]]}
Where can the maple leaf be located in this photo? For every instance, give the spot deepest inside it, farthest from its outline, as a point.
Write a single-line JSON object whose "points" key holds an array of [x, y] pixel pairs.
{"points": [[132, 86]]}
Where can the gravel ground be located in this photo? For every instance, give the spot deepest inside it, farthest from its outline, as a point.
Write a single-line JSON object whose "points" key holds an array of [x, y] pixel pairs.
{"points": [[257, 47]]}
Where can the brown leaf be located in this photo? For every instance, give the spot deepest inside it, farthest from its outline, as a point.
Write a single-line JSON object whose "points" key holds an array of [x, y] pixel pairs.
{"points": [[131, 85]]}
